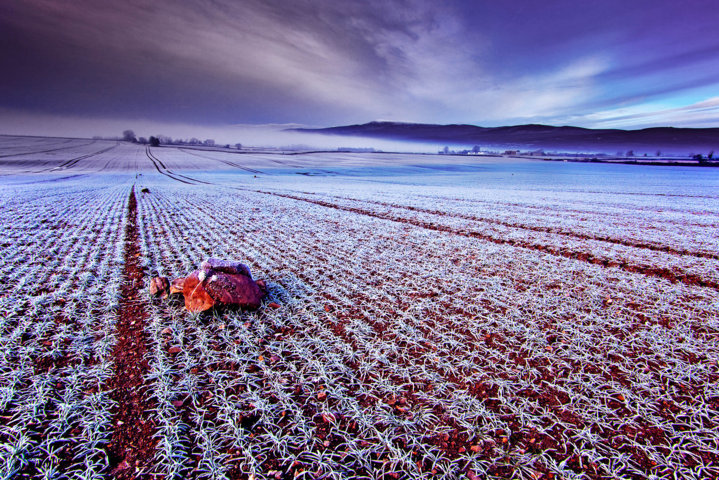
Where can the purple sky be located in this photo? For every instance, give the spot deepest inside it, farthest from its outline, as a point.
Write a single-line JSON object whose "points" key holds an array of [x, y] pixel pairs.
{"points": [[215, 63]]}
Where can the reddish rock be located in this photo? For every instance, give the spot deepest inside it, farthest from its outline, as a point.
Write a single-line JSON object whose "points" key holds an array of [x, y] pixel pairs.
{"points": [[236, 290], [159, 287], [220, 283], [196, 297], [177, 285]]}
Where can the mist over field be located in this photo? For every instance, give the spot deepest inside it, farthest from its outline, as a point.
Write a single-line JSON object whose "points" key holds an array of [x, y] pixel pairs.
{"points": [[256, 135]]}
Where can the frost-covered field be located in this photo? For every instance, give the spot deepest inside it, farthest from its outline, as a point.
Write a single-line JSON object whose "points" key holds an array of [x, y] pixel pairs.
{"points": [[438, 316]]}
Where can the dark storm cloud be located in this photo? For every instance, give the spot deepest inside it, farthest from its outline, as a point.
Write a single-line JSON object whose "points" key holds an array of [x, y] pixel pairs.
{"points": [[329, 62]]}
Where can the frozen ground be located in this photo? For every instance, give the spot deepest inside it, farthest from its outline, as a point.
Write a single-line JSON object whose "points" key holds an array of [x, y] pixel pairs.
{"points": [[438, 315]]}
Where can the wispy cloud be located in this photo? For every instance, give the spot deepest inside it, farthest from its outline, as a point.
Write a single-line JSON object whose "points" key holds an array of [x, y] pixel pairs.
{"points": [[704, 113], [325, 62]]}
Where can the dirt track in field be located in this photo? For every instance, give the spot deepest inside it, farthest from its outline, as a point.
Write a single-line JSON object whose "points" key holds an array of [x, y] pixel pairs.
{"points": [[161, 168], [132, 446]]}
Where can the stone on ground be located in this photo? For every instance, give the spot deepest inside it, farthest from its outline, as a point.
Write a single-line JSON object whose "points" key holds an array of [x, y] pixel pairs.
{"points": [[220, 283], [159, 287]]}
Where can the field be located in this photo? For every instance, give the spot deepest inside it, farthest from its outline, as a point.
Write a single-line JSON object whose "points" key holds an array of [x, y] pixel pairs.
{"points": [[427, 316]]}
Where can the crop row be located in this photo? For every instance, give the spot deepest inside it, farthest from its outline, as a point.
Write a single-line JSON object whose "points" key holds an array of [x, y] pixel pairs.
{"points": [[61, 273], [660, 258], [644, 219]]}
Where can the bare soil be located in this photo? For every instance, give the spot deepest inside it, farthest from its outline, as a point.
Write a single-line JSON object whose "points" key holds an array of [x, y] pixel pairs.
{"points": [[132, 446]]}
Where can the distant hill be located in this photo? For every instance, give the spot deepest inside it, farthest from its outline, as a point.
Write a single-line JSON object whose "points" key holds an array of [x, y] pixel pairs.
{"points": [[667, 139]]}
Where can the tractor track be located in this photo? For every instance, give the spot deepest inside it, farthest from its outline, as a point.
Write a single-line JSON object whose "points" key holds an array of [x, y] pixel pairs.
{"points": [[74, 161], [162, 169], [226, 162], [47, 150]]}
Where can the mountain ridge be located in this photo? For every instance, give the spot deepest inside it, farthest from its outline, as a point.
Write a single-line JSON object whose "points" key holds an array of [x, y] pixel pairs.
{"points": [[535, 136]]}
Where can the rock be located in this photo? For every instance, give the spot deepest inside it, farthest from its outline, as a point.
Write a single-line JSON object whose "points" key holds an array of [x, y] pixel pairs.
{"points": [[145, 190], [177, 285], [237, 290], [220, 283], [196, 297], [226, 266], [159, 287]]}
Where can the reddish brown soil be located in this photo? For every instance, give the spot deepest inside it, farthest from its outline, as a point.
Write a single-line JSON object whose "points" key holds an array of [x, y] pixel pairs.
{"points": [[132, 447]]}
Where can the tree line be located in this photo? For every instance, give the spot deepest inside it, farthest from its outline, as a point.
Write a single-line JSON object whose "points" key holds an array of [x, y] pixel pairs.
{"points": [[155, 141]]}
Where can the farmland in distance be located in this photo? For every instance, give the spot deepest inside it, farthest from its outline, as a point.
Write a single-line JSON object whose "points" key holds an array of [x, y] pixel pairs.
{"points": [[431, 317]]}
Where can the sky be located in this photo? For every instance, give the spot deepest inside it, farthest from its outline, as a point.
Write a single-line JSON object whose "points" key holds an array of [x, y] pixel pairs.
{"points": [[225, 67]]}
